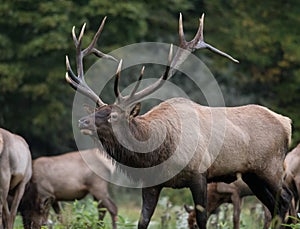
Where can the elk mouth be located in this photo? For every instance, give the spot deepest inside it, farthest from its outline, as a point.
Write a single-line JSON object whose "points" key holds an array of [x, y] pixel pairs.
{"points": [[86, 127], [87, 132]]}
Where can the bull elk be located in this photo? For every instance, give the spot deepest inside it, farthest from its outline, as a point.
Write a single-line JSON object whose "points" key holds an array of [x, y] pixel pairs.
{"points": [[15, 172], [65, 178], [219, 142]]}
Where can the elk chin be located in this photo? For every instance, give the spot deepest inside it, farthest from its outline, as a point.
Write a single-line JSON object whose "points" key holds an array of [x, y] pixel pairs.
{"points": [[87, 132]]}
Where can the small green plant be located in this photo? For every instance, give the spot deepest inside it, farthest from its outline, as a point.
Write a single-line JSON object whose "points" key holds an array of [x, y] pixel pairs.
{"points": [[295, 225], [223, 225], [125, 223], [84, 215], [81, 215]]}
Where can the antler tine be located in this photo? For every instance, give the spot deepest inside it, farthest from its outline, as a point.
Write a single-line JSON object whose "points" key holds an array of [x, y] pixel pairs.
{"points": [[70, 72], [186, 47], [117, 80], [79, 87], [199, 35], [70, 81], [91, 48], [79, 56], [181, 33], [170, 55], [138, 82], [78, 82], [96, 36], [198, 41], [136, 96], [74, 36], [213, 49], [81, 34]]}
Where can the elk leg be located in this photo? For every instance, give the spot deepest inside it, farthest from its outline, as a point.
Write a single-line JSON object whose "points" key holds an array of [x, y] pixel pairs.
{"points": [[57, 210], [150, 198], [285, 204], [101, 210], [1, 215], [4, 210], [275, 199], [104, 201], [236, 201], [112, 209], [26, 221], [199, 191], [5, 215], [261, 190], [268, 218], [56, 207], [16, 201]]}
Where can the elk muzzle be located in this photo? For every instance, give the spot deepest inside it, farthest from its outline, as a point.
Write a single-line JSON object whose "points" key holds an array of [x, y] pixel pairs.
{"points": [[87, 125]]}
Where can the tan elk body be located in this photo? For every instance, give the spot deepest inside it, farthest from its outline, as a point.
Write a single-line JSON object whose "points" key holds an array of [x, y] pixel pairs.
{"points": [[65, 178], [15, 172], [207, 144], [292, 178]]}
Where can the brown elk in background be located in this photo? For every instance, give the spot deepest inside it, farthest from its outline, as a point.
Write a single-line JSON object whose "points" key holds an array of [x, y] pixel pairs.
{"points": [[254, 142], [15, 172], [292, 178], [219, 193], [65, 178]]}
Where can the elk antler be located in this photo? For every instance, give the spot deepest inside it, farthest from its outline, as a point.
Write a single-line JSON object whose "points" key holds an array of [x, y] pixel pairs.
{"points": [[78, 82], [136, 96], [186, 47], [198, 41]]}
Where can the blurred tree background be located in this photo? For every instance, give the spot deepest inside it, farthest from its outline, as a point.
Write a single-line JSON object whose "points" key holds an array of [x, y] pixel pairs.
{"points": [[35, 36]]}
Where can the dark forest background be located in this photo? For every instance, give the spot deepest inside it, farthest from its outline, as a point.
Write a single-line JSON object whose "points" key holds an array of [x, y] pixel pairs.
{"points": [[35, 36]]}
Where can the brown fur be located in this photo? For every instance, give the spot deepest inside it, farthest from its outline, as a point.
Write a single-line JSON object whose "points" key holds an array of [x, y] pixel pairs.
{"points": [[292, 178], [242, 138], [15, 172], [65, 178]]}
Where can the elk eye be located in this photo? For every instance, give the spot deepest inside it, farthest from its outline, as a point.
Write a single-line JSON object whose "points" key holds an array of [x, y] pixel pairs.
{"points": [[114, 116]]}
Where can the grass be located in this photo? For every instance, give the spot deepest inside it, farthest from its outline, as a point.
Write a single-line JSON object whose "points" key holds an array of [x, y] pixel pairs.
{"points": [[83, 214]]}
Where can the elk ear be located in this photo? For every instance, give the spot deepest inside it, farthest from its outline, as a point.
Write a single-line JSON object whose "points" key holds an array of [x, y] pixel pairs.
{"points": [[135, 110], [89, 109]]}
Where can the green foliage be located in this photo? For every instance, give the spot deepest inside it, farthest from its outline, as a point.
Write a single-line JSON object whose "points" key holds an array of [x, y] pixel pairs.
{"points": [[84, 215], [295, 225], [178, 196], [79, 215], [36, 35], [124, 222]]}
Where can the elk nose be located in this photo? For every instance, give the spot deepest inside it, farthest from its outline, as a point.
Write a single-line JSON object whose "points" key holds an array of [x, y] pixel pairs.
{"points": [[83, 123]]}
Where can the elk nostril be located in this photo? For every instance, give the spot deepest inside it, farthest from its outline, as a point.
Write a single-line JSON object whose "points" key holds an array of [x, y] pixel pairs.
{"points": [[83, 122]]}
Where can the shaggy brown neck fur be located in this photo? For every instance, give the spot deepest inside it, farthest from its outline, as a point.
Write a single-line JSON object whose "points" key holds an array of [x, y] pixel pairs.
{"points": [[140, 129]]}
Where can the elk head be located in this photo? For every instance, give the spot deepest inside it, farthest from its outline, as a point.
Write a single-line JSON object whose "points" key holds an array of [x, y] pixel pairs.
{"points": [[123, 112]]}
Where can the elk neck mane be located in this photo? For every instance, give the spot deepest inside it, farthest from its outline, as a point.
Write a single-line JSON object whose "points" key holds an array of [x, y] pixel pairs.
{"points": [[156, 122]]}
